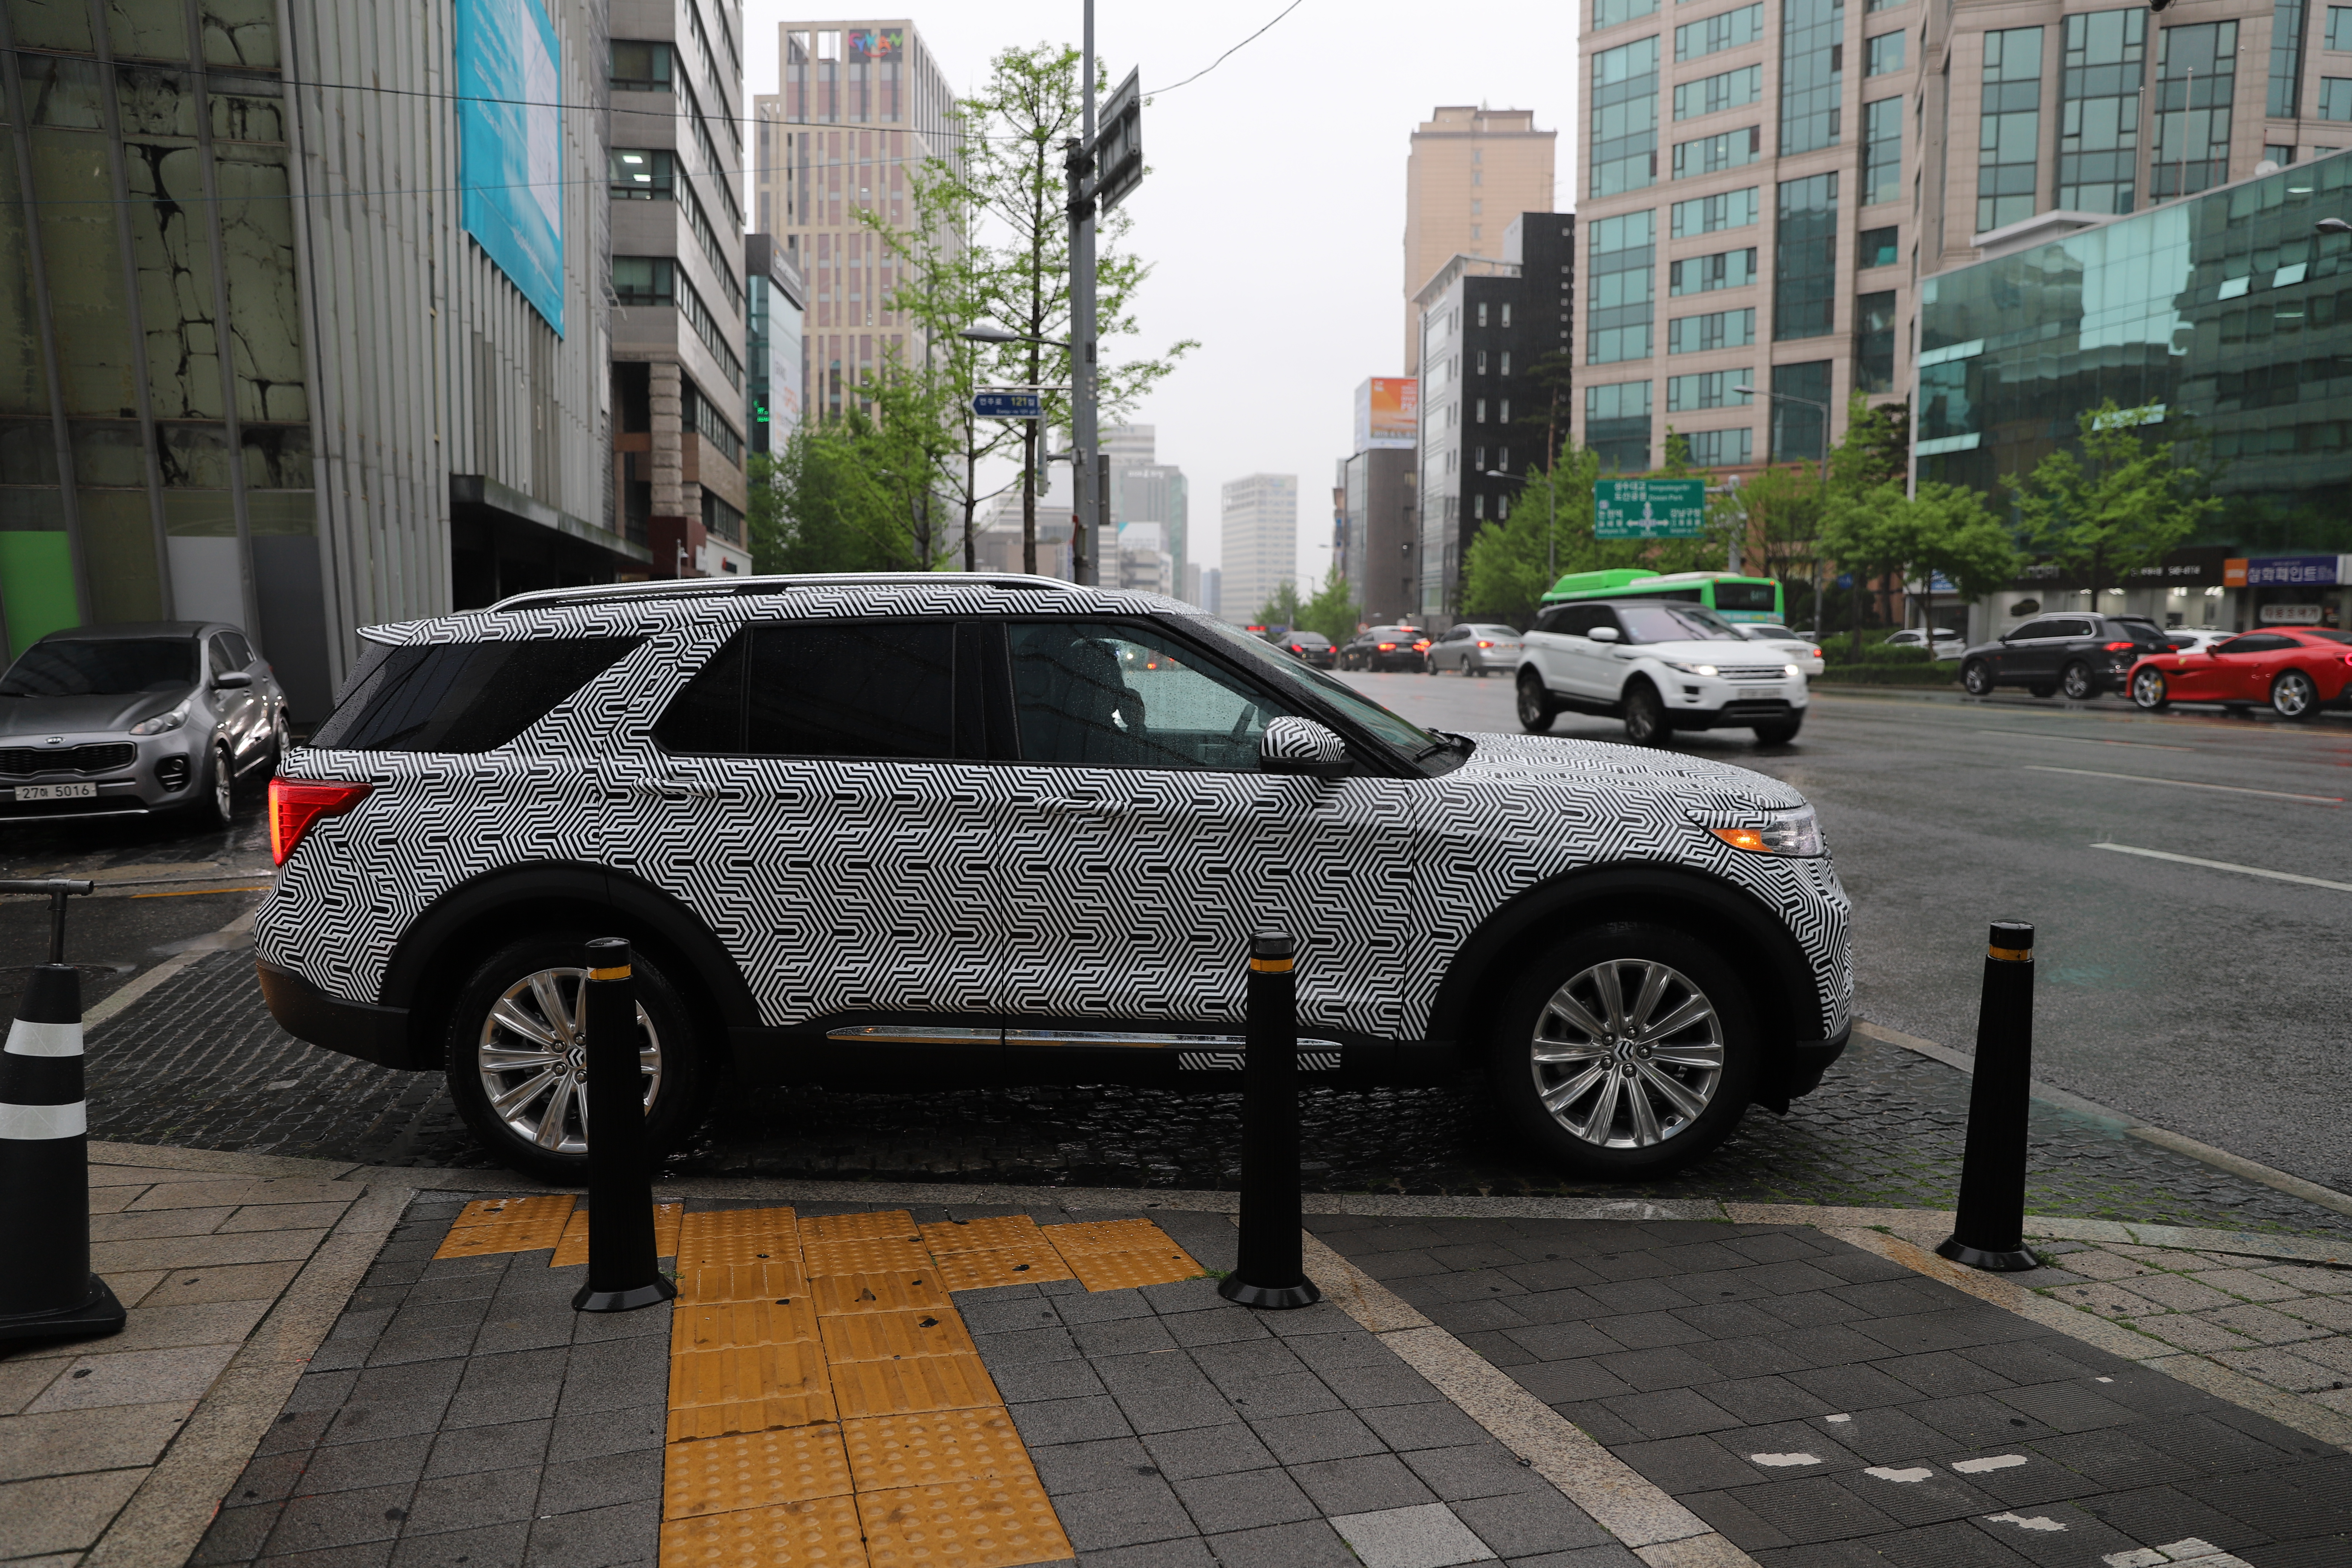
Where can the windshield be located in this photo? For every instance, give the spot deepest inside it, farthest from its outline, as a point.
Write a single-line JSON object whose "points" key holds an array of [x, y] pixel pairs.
{"points": [[1675, 623], [102, 668], [1410, 739]]}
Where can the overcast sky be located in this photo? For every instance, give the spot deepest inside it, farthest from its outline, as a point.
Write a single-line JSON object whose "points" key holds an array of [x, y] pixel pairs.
{"points": [[1273, 213]]}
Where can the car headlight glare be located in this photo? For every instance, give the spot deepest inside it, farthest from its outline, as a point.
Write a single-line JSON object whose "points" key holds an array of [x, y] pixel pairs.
{"points": [[162, 721], [1688, 668], [1795, 834], [1792, 669]]}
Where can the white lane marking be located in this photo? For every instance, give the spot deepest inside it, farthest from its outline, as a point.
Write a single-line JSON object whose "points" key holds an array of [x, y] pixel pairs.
{"points": [[1919, 1473], [1782, 1460], [2226, 866], [2138, 1557], [2187, 784], [1837, 1417], [2103, 1380], [2036, 1522], [2088, 741], [1997, 1462]]}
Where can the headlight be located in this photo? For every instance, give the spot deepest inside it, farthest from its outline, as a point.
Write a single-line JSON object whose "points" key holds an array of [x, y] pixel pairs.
{"points": [[1792, 669], [1797, 834], [162, 721], [1688, 668]]}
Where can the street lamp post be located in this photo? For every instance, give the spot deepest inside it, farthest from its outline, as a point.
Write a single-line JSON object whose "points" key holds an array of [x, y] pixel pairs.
{"points": [[1820, 620], [1551, 520]]}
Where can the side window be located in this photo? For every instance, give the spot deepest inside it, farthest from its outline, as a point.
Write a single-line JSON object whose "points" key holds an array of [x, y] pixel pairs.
{"points": [[1459, 633], [464, 697], [221, 658], [2032, 629], [851, 688], [1104, 694], [2256, 642], [240, 652]]}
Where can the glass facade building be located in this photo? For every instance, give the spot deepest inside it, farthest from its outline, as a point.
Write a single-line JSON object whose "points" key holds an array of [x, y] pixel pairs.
{"points": [[2225, 311]]}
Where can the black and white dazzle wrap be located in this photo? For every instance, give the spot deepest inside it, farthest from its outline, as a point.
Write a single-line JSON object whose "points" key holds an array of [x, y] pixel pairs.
{"points": [[863, 887]]}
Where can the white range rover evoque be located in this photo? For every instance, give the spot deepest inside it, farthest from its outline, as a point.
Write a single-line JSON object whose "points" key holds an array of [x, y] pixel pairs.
{"points": [[1660, 665], [912, 830]]}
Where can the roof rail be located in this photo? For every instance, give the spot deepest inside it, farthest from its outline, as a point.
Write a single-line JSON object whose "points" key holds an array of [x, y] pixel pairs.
{"points": [[719, 587]]}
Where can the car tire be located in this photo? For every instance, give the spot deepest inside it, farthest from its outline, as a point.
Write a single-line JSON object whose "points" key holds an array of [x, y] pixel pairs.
{"points": [[2295, 696], [1778, 734], [2077, 682], [1542, 1064], [214, 806], [281, 740], [1977, 676], [2149, 691], [1645, 715], [682, 1077], [1536, 709], [2042, 690]]}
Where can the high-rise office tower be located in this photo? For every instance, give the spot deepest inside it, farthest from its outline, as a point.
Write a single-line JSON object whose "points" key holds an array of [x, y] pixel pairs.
{"points": [[863, 105], [1143, 490], [1745, 208], [1257, 543], [1469, 174]]}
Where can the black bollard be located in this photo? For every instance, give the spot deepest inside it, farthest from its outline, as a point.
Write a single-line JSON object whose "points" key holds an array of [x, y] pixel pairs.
{"points": [[47, 1291], [1989, 1230], [624, 1269], [1271, 1273]]}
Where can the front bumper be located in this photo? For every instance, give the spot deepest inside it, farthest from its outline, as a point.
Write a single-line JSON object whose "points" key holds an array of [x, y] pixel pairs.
{"points": [[1711, 703], [167, 771]]}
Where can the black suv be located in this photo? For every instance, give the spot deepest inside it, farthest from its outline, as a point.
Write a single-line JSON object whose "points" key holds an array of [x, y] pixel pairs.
{"points": [[1387, 647], [2079, 654]]}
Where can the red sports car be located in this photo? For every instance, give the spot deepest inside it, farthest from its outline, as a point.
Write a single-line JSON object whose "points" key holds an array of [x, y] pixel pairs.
{"points": [[2297, 670]]}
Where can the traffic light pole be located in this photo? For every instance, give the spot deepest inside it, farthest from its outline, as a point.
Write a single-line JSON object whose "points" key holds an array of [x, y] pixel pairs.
{"points": [[1078, 161]]}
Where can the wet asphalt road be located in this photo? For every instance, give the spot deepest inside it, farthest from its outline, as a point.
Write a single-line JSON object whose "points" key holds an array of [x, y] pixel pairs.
{"points": [[2212, 1002], [2203, 999]]}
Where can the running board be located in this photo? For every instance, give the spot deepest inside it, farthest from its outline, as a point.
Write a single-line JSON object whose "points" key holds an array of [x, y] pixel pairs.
{"points": [[1194, 1053]]}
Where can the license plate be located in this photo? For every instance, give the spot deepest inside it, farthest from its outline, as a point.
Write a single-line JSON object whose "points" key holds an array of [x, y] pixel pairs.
{"points": [[57, 792], [1755, 694]]}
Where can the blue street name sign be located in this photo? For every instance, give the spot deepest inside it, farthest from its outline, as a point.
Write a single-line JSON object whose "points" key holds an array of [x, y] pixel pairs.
{"points": [[1009, 404]]}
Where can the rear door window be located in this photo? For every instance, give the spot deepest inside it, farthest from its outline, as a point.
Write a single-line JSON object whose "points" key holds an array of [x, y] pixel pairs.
{"points": [[2033, 629], [464, 697], [823, 688]]}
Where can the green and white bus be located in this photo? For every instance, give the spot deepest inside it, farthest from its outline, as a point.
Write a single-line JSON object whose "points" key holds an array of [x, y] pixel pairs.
{"points": [[1729, 594]]}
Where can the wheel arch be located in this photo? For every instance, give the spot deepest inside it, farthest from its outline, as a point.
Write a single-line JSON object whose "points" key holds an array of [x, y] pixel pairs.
{"points": [[441, 949], [1747, 934]]}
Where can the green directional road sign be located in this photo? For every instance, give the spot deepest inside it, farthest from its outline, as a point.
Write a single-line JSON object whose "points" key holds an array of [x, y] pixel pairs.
{"points": [[1649, 509]]}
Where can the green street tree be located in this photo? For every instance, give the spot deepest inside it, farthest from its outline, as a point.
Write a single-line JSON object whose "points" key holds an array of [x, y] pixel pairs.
{"points": [[2116, 505], [1332, 611], [1282, 608], [1953, 536]]}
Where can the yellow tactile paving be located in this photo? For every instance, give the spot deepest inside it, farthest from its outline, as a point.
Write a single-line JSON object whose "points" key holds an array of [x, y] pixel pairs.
{"points": [[1128, 1270], [845, 1226], [828, 1406], [1072, 1241], [908, 1387], [729, 1325], [573, 1247], [741, 1282], [887, 1336], [823, 1532], [979, 1271], [506, 1211], [752, 1470], [962, 1524], [527, 1232], [718, 1237], [948, 1238], [980, 1444], [865, 1254]]}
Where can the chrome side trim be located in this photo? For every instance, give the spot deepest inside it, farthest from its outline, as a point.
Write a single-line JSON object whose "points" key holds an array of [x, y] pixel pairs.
{"points": [[916, 1035], [1203, 1046]]}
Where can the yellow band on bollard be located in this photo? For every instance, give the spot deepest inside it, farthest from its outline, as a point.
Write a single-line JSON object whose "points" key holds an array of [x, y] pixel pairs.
{"points": [[1272, 965], [2010, 954], [622, 973]]}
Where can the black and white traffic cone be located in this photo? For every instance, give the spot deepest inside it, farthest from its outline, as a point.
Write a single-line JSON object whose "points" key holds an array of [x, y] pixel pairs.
{"points": [[47, 1291]]}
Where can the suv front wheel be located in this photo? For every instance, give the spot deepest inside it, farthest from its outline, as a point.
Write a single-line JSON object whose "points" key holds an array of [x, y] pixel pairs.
{"points": [[516, 1064], [1625, 1052]]}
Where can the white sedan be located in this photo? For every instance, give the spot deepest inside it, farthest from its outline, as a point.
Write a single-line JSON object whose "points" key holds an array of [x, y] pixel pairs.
{"points": [[1948, 644], [1802, 652]]}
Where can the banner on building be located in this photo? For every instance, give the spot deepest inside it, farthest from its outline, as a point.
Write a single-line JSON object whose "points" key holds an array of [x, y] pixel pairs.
{"points": [[511, 145], [1388, 413]]}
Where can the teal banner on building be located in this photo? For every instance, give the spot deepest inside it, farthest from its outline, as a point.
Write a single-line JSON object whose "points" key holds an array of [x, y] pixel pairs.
{"points": [[1649, 509], [511, 145]]}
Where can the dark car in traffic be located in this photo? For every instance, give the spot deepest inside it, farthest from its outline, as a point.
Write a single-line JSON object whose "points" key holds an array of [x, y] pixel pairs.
{"points": [[2077, 653], [1387, 647], [1313, 647]]}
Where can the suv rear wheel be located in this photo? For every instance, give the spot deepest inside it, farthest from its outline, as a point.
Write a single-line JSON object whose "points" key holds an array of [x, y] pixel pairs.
{"points": [[518, 1073], [1626, 1051], [2077, 682], [1536, 707], [1977, 676]]}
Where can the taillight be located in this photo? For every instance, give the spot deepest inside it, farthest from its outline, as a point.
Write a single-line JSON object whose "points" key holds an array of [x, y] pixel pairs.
{"points": [[296, 804], [1486, 644], [1388, 647], [2121, 647], [1421, 647]]}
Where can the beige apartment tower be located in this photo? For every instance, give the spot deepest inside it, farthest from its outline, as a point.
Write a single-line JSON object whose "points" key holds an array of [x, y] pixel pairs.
{"points": [[863, 105], [1469, 174]]}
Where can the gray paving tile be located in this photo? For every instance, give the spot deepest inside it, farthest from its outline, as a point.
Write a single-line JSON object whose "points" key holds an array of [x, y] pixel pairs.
{"points": [[474, 1498], [349, 1467], [1187, 1551], [1303, 1439], [594, 1538], [613, 1375], [1092, 1465], [1426, 1536], [466, 1449], [525, 1386], [1018, 1348], [361, 1555], [1474, 1471], [1047, 1380], [1670, 1413], [236, 1535], [1129, 1515], [1405, 1428], [1245, 1500], [1523, 1524], [1295, 1394], [1311, 1544], [627, 1476], [1005, 1317], [1069, 1420], [613, 1432], [491, 1546], [1151, 1369], [1103, 1307], [340, 1519], [1364, 1387], [1192, 1452], [1169, 1409], [1362, 1485]]}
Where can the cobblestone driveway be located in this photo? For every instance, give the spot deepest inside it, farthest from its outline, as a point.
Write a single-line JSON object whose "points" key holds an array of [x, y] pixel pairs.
{"points": [[201, 1064]]}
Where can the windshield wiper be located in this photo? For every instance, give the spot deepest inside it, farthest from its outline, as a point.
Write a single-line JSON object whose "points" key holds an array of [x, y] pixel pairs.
{"points": [[1446, 742]]}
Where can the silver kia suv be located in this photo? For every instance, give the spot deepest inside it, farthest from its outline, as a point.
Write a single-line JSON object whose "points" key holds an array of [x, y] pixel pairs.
{"points": [[900, 830]]}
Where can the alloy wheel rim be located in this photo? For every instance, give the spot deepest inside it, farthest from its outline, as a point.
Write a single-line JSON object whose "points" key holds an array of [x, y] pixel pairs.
{"points": [[1627, 1054], [224, 786], [2148, 690], [533, 1058], [2294, 694], [2078, 682]]}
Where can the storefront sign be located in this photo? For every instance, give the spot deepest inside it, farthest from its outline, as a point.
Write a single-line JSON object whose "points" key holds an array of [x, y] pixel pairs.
{"points": [[2291, 615], [2286, 570]]}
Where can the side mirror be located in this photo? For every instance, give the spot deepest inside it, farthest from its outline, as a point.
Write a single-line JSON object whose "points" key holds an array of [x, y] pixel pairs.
{"points": [[231, 681], [1302, 747], [1604, 633]]}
